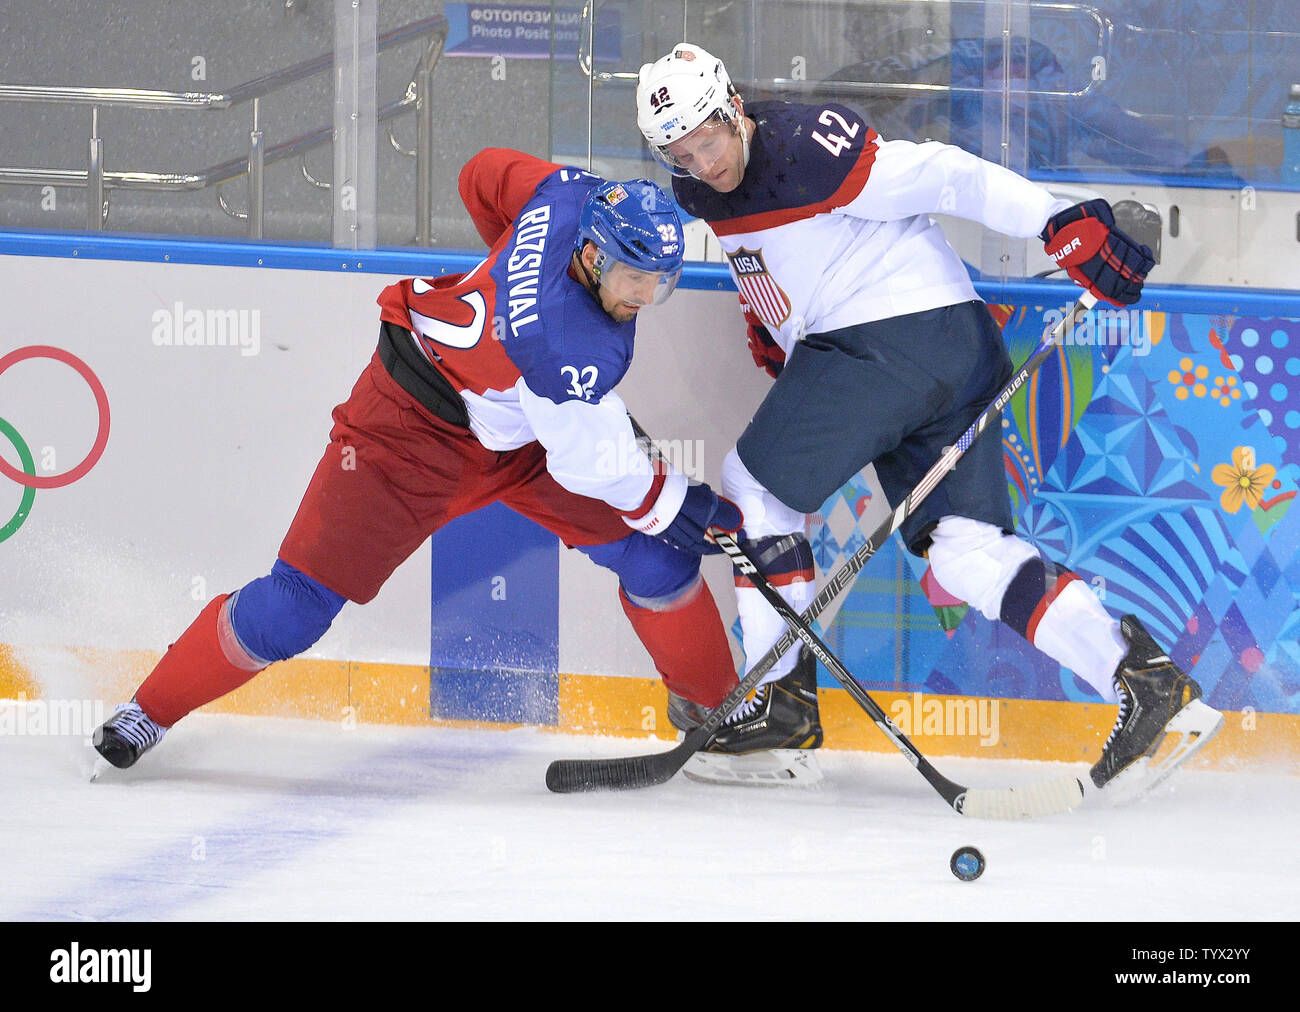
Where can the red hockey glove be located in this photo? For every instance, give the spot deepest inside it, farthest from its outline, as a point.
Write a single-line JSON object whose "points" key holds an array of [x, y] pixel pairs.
{"points": [[1095, 254], [767, 353]]}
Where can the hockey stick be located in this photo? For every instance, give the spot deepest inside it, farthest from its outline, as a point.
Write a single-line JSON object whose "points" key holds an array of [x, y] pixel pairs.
{"points": [[1045, 798], [569, 775]]}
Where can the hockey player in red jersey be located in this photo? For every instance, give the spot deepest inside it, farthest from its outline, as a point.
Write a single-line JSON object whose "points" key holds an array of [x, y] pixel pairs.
{"points": [[492, 386], [883, 353]]}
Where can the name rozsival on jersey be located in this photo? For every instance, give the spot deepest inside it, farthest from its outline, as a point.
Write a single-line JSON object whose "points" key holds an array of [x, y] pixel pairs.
{"points": [[523, 269]]}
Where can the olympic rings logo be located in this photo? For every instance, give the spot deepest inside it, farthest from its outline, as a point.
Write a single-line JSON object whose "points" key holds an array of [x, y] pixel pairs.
{"points": [[28, 477]]}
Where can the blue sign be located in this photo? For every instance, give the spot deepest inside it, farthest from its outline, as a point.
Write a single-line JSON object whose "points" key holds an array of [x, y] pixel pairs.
{"points": [[525, 32], [495, 645]]}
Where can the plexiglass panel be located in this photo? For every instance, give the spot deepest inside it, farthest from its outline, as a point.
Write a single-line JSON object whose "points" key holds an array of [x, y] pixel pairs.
{"points": [[146, 117], [1171, 110]]}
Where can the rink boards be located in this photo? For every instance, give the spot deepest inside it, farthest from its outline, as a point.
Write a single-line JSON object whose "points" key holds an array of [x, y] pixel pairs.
{"points": [[220, 376]]}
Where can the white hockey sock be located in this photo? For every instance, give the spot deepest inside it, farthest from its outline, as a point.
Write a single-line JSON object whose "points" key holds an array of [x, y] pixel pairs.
{"points": [[1006, 579], [1080, 634], [770, 526], [762, 626]]}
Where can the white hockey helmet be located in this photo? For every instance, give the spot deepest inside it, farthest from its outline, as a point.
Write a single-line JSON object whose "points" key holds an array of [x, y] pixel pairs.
{"points": [[680, 92]]}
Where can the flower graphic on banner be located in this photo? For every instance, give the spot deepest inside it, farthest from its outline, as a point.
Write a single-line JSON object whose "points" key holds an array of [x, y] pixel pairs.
{"points": [[1188, 379], [1242, 480], [1225, 390]]}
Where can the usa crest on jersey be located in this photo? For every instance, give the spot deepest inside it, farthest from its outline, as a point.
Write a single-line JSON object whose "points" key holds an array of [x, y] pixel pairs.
{"points": [[760, 289]]}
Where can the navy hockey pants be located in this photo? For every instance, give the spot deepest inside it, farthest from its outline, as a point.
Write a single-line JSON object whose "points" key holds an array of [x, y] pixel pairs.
{"points": [[895, 393]]}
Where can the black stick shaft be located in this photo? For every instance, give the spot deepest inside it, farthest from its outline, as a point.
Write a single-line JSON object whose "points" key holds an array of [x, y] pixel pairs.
{"points": [[567, 775], [744, 563]]}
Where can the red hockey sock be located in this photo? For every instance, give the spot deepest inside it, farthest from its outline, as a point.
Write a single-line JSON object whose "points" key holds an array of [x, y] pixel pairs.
{"points": [[205, 663], [688, 645]]}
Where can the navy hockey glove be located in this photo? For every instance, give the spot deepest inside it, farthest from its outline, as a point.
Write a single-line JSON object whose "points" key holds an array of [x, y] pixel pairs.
{"points": [[767, 353], [701, 509], [680, 513], [1095, 254]]}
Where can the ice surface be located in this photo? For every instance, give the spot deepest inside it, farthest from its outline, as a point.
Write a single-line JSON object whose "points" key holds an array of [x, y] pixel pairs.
{"points": [[241, 818]]}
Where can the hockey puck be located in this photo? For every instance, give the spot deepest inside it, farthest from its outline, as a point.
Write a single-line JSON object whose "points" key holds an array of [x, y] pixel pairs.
{"points": [[967, 864]]}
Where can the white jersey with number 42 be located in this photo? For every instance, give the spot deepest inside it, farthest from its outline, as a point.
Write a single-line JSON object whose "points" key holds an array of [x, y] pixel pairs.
{"points": [[831, 225]]}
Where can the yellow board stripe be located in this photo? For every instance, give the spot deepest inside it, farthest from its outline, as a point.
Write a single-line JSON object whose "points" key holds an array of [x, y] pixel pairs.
{"points": [[373, 693]]}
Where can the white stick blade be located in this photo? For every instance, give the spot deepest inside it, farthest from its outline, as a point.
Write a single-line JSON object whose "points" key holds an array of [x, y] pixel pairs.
{"points": [[1049, 797]]}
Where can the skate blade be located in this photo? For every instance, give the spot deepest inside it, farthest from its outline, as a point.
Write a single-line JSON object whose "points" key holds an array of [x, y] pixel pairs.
{"points": [[1191, 729], [781, 767], [99, 767]]}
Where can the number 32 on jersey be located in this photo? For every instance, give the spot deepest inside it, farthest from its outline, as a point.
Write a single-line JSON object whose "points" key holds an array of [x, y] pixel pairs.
{"points": [[581, 381]]}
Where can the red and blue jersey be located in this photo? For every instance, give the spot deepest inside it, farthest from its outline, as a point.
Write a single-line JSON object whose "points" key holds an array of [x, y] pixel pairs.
{"points": [[527, 347]]}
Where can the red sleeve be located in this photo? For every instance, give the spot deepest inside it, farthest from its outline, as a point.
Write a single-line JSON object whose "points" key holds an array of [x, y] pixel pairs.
{"points": [[495, 185]]}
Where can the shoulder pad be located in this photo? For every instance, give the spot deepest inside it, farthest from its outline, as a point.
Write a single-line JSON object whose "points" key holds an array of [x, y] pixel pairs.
{"points": [[571, 176], [801, 156], [580, 356], [827, 131]]}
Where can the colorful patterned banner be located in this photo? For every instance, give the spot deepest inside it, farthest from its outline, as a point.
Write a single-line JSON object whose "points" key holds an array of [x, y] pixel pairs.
{"points": [[1160, 464]]}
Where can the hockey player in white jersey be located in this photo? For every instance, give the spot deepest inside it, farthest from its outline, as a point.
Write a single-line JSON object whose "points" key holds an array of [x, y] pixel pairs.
{"points": [[883, 353]]}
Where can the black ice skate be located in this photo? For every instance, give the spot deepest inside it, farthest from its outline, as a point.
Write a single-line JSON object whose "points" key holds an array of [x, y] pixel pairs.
{"points": [[684, 714], [770, 737], [1157, 702], [127, 735]]}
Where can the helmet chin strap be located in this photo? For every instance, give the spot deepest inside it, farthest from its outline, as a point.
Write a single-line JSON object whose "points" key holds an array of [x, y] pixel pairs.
{"points": [[592, 279], [744, 131], [595, 277]]}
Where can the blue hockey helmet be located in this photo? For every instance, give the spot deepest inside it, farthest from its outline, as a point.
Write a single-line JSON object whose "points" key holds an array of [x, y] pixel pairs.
{"points": [[635, 224]]}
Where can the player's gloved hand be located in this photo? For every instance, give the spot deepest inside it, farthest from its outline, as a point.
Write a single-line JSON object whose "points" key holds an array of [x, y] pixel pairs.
{"points": [[767, 353], [681, 512], [701, 509], [1095, 254]]}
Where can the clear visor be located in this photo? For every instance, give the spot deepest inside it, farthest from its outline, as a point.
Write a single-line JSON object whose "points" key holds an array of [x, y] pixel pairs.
{"points": [[635, 286], [697, 152]]}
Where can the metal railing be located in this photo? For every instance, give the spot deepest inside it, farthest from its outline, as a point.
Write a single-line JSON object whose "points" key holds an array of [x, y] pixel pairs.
{"points": [[417, 98], [1105, 30]]}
